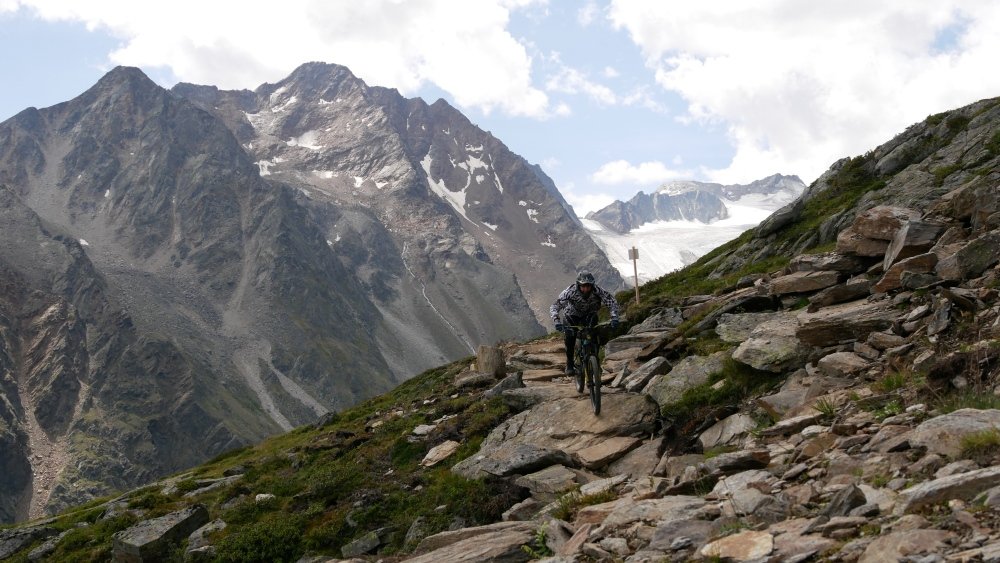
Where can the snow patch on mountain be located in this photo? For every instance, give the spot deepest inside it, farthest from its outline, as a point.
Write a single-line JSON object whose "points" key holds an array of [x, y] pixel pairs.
{"points": [[455, 199]]}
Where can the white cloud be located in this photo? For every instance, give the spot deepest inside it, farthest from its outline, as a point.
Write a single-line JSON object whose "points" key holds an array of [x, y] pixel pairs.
{"points": [[563, 110], [643, 174], [571, 81], [585, 203], [610, 72], [799, 85], [587, 14], [463, 48]]}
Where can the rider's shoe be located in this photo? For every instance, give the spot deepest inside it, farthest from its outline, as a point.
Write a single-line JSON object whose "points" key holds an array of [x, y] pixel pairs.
{"points": [[570, 370]]}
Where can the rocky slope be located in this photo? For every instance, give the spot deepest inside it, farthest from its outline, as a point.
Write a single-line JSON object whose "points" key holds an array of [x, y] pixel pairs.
{"points": [[839, 405]]}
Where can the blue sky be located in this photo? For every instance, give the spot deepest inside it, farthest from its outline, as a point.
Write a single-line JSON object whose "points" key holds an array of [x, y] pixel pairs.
{"points": [[609, 97]]}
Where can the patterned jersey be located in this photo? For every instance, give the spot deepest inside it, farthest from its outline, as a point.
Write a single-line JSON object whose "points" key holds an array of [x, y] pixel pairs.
{"points": [[573, 302]]}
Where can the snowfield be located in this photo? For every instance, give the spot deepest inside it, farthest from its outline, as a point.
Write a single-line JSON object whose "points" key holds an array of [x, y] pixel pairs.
{"points": [[665, 246]]}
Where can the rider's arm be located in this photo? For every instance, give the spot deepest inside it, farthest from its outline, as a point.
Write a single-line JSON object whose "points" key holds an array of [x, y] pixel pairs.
{"points": [[610, 302], [560, 302]]}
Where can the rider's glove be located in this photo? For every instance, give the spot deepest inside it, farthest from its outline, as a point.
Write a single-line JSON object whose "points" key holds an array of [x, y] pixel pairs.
{"points": [[614, 324], [559, 327]]}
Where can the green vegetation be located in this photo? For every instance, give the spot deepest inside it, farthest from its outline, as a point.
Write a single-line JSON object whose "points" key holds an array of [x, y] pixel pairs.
{"points": [[944, 171], [896, 379], [827, 408], [982, 446], [739, 381], [358, 473], [967, 399], [571, 503], [993, 145], [539, 547]]}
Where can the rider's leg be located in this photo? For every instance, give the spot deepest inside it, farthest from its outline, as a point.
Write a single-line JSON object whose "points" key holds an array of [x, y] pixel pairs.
{"points": [[570, 341]]}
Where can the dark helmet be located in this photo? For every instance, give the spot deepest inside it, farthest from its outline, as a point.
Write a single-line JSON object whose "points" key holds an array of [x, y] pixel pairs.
{"points": [[584, 277]]}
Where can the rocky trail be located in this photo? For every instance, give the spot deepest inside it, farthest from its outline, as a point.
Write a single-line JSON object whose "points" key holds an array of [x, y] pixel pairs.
{"points": [[842, 457]]}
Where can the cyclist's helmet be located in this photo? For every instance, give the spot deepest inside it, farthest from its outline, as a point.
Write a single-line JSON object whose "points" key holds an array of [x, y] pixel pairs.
{"points": [[584, 277]]}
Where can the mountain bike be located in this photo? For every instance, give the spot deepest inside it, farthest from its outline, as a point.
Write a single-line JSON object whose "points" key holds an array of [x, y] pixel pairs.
{"points": [[588, 371]]}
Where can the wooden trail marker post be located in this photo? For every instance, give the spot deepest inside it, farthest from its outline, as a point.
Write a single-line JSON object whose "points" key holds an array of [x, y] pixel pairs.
{"points": [[633, 255]]}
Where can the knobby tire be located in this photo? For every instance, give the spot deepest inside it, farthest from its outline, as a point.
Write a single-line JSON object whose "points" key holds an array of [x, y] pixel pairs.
{"points": [[594, 380]]}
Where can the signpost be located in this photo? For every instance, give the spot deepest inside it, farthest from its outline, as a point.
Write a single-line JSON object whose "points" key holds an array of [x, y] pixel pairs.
{"points": [[633, 255]]}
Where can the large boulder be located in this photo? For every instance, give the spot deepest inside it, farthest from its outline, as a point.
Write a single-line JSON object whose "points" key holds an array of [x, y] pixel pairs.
{"points": [[900, 545], [773, 345], [872, 230], [893, 277], [960, 486], [943, 434], [972, 260], [151, 540], [845, 322], [913, 238], [690, 372], [555, 431], [736, 327], [850, 291]]}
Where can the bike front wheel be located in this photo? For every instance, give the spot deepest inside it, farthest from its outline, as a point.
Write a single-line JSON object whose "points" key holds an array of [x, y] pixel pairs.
{"points": [[594, 381]]}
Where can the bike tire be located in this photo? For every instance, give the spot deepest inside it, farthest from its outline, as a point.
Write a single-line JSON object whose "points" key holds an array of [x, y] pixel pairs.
{"points": [[581, 379], [594, 377]]}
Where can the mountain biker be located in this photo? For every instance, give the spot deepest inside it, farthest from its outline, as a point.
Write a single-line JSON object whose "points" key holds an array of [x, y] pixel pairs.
{"points": [[578, 305]]}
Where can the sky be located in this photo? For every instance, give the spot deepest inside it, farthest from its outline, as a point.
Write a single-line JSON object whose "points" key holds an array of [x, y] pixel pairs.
{"points": [[609, 97]]}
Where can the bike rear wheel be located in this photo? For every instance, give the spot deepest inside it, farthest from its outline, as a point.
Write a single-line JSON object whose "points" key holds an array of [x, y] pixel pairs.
{"points": [[581, 378], [594, 381]]}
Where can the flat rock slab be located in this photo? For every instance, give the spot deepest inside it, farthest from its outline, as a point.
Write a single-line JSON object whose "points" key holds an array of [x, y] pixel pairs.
{"points": [[548, 483], [630, 341], [773, 345], [537, 393], [561, 426], [897, 545], [496, 542], [737, 327], [654, 511], [852, 321], [960, 486], [541, 375], [149, 540], [842, 364], [639, 462], [943, 434], [727, 431], [744, 546], [605, 452], [804, 282]]}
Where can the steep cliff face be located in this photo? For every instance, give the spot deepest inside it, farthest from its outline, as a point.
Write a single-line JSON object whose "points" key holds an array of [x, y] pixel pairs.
{"points": [[464, 227], [208, 318]]}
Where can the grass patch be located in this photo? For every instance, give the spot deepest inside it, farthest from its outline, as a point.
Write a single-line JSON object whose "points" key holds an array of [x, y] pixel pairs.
{"points": [[827, 408], [718, 450], [892, 381], [982, 446], [993, 145], [941, 173], [570, 504], [967, 399], [739, 381]]}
